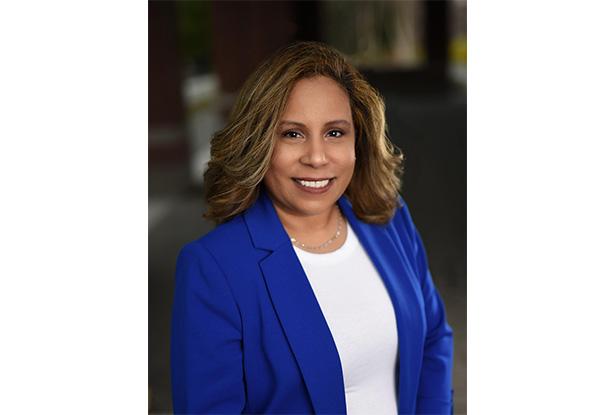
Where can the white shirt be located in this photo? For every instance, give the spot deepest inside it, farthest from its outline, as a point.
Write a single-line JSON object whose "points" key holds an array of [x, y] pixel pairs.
{"points": [[361, 318]]}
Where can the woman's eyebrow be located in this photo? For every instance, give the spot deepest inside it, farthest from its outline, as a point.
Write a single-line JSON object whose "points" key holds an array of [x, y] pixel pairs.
{"points": [[297, 123]]}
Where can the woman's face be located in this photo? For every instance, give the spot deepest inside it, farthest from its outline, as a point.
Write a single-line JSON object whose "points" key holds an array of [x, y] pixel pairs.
{"points": [[314, 156]]}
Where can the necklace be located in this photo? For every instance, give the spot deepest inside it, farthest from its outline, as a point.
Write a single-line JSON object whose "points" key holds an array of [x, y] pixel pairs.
{"points": [[337, 234]]}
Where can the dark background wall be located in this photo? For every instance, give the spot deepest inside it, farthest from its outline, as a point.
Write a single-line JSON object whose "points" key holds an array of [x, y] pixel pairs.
{"points": [[220, 43]]}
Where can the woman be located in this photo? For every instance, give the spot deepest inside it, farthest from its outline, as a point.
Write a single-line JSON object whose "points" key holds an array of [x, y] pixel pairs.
{"points": [[313, 294]]}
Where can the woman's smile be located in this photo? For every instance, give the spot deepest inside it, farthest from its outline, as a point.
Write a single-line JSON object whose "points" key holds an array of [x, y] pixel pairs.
{"points": [[312, 186]]}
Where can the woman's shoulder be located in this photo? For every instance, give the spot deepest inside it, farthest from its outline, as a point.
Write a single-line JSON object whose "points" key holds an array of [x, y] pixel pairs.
{"points": [[226, 252], [402, 224], [402, 216], [222, 237]]}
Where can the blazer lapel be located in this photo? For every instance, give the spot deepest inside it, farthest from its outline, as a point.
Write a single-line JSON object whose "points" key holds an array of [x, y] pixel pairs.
{"points": [[297, 308], [406, 296]]}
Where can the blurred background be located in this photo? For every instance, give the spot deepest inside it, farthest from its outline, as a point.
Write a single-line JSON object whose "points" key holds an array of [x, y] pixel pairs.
{"points": [[200, 53]]}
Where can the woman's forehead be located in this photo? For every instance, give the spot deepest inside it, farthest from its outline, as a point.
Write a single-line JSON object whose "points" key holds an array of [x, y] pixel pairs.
{"points": [[318, 97]]}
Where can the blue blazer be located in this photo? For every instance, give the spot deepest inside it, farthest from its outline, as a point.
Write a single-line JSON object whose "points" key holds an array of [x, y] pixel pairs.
{"points": [[248, 335]]}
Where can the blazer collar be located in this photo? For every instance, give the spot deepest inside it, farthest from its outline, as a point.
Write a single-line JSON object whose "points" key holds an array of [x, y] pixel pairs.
{"points": [[263, 222]]}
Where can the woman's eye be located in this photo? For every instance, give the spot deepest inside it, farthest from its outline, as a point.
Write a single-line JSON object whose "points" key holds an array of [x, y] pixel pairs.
{"points": [[291, 134], [336, 133]]}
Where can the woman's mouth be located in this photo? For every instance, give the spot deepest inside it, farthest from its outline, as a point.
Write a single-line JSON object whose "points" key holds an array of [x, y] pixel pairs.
{"points": [[314, 186]]}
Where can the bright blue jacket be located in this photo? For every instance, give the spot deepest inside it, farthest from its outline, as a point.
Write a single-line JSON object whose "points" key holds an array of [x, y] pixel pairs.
{"points": [[248, 335]]}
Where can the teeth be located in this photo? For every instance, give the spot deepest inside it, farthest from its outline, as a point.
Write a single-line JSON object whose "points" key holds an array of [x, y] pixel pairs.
{"points": [[321, 183]]}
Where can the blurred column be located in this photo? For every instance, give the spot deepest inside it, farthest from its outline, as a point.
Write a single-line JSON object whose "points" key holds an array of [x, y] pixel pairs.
{"points": [[167, 137], [437, 36], [245, 33]]}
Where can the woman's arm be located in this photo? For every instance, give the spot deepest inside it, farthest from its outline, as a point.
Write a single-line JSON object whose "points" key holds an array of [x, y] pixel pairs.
{"points": [[206, 338], [435, 394]]}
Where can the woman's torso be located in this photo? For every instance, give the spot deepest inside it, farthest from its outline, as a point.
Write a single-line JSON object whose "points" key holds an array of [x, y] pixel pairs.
{"points": [[290, 361]]}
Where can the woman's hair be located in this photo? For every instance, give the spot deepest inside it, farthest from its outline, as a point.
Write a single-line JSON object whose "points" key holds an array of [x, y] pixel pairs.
{"points": [[242, 151]]}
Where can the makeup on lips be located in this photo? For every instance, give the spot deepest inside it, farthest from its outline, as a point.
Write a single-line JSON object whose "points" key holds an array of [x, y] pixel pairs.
{"points": [[314, 185]]}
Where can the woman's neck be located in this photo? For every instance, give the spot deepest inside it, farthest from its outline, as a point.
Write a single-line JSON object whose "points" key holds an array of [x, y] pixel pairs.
{"points": [[310, 225]]}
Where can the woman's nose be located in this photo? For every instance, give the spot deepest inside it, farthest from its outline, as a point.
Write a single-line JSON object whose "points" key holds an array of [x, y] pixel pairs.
{"points": [[315, 153]]}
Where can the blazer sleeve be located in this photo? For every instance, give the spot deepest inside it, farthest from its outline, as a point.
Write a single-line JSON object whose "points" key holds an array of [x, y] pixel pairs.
{"points": [[206, 338], [435, 392]]}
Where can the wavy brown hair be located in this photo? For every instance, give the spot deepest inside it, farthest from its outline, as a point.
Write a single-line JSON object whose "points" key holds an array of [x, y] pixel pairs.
{"points": [[241, 152]]}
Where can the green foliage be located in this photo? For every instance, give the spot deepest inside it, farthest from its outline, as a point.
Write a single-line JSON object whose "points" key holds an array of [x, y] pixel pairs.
{"points": [[195, 33]]}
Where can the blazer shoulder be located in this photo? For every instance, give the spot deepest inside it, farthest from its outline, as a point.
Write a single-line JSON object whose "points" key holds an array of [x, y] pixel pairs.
{"points": [[213, 244], [221, 234], [404, 226], [402, 217]]}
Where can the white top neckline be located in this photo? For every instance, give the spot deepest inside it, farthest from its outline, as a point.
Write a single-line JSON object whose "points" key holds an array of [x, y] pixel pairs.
{"points": [[329, 258]]}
